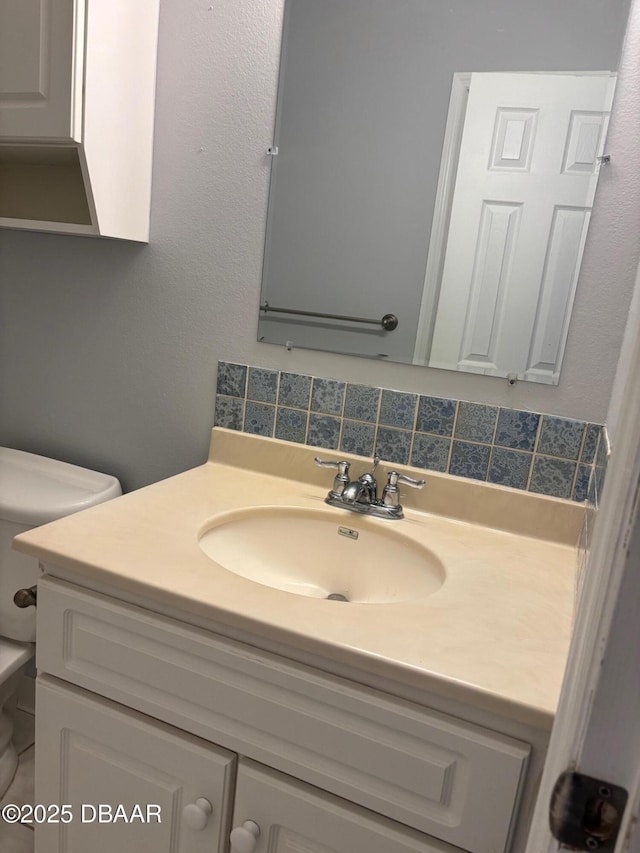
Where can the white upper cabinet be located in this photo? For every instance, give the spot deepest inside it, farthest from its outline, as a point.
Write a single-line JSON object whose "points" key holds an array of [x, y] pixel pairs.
{"points": [[39, 77], [77, 88]]}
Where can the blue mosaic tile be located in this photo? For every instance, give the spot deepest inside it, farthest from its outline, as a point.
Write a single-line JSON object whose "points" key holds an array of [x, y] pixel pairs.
{"points": [[357, 437], [583, 481], [552, 476], [324, 431], [436, 415], [430, 451], [291, 425], [476, 422], [592, 496], [517, 429], [232, 379], [600, 468], [601, 453], [590, 446], [263, 385], [327, 396], [361, 403], [393, 445], [398, 409], [560, 437], [294, 390], [469, 460], [599, 475], [569, 461], [229, 412], [510, 468], [259, 418]]}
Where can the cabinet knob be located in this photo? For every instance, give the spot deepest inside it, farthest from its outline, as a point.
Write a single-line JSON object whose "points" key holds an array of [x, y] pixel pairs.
{"points": [[196, 815], [244, 838]]}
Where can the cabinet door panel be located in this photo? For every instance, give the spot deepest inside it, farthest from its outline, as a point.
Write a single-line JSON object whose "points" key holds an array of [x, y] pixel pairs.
{"points": [[295, 818], [39, 75], [92, 752]]}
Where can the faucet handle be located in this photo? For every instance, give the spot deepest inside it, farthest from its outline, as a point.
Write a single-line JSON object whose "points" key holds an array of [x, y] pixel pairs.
{"points": [[391, 492], [342, 465], [408, 481], [341, 480]]}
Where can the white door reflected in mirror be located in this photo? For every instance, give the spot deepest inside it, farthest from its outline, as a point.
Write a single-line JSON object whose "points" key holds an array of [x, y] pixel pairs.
{"points": [[526, 178]]}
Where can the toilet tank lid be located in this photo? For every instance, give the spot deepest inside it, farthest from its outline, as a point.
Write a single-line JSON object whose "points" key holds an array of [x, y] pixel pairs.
{"points": [[35, 489]]}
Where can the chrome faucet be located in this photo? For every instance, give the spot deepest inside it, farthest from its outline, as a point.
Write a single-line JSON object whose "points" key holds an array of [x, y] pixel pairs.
{"points": [[362, 491], [361, 495]]}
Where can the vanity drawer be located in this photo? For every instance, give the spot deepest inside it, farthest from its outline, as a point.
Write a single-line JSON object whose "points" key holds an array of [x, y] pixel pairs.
{"points": [[443, 776]]}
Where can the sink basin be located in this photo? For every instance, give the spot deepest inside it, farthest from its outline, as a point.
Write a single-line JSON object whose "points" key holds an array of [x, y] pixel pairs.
{"points": [[323, 555]]}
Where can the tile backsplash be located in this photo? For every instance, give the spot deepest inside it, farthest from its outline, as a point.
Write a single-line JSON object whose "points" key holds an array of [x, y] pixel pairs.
{"points": [[525, 450]]}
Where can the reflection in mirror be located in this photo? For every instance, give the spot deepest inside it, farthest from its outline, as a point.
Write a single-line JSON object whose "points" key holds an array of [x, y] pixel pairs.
{"points": [[437, 163]]}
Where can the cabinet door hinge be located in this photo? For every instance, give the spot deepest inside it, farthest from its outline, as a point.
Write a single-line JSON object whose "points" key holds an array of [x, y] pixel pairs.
{"points": [[586, 813]]}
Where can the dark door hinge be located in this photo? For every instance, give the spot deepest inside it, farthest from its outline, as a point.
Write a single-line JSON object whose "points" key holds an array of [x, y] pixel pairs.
{"points": [[586, 813]]}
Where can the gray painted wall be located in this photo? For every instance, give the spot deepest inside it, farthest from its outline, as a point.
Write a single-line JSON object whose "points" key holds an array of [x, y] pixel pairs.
{"points": [[108, 350]]}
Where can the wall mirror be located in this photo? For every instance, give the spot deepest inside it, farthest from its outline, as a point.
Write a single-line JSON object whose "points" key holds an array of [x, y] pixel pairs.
{"points": [[433, 170]]}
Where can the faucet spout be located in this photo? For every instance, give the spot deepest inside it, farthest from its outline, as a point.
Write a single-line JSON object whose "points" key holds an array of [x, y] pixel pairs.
{"points": [[360, 491]]}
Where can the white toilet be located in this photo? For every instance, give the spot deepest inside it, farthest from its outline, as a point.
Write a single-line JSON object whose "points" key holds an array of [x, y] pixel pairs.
{"points": [[33, 490]]}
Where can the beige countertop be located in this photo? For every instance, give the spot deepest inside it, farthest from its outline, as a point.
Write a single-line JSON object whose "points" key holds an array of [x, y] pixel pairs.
{"points": [[495, 634]]}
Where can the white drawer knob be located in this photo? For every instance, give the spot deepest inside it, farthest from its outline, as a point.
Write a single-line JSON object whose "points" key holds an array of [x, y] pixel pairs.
{"points": [[196, 815], [244, 838]]}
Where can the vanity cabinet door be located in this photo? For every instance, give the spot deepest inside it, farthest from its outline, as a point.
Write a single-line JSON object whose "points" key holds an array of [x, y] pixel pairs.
{"points": [[92, 752], [277, 814]]}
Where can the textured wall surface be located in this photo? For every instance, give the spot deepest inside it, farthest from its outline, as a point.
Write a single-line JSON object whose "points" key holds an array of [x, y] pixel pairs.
{"points": [[108, 351]]}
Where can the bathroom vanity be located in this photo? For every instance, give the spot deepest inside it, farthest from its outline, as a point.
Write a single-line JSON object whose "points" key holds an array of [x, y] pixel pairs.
{"points": [[251, 718]]}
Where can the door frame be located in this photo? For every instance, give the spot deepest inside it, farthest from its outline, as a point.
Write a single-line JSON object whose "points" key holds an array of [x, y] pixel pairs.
{"points": [[441, 214], [593, 730]]}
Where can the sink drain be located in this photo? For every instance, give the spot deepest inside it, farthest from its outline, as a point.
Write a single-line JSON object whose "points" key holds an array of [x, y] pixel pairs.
{"points": [[337, 596]]}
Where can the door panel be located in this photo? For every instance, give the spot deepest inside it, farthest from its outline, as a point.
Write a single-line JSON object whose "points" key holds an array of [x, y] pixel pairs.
{"points": [[525, 183], [296, 818], [92, 752]]}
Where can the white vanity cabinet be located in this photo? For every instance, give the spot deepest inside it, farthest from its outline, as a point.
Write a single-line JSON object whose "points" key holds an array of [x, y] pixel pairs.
{"points": [[77, 95], [94, 753], [336, 759], [168, 792]]}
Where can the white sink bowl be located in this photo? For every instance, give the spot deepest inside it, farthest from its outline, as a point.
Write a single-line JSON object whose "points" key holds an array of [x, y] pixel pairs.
{"points": [[320, 553]]}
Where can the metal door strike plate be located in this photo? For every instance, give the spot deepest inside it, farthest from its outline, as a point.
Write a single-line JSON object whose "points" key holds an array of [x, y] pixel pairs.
{"points": [[586, 813]]}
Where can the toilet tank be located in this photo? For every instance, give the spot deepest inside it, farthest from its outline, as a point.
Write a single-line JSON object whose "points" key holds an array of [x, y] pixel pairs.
{"points": [[33, 491]]}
